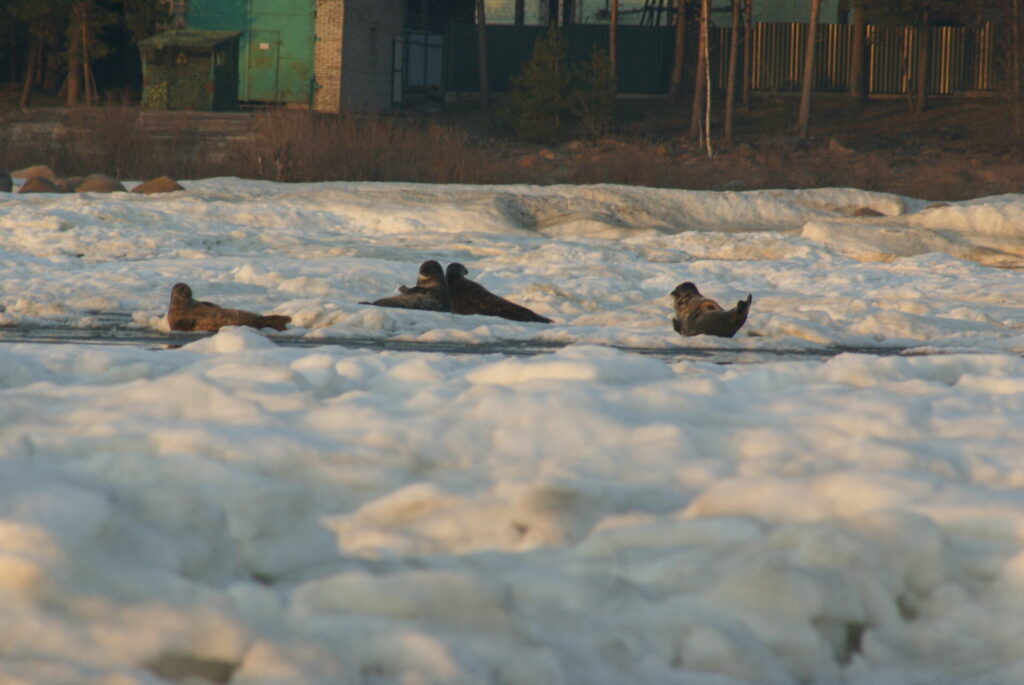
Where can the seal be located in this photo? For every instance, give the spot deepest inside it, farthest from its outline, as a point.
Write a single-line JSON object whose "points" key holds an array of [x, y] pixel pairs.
{"points": [[469, 297], [430, 291], [699, 315], [187, 314]]}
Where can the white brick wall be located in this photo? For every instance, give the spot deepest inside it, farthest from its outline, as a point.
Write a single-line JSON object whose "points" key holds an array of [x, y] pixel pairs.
{"points": [[503, 11]]}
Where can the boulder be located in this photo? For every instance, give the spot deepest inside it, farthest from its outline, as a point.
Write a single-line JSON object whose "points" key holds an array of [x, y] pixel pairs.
{"points": [[160, 184], [39, 184], [37, 170], [5, 182], [68, 185], [99, 183]]}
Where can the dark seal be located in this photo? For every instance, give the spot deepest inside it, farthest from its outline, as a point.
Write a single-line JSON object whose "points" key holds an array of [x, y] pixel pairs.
{"points": [[469, 297], [699, 315], [187, 314], [430, 291]]}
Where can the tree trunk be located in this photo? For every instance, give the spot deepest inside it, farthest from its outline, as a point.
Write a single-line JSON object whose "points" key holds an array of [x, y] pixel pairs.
{"points": [[1016, 85], [520, 12], [924, 47], [730, 84], [613, 40], [73, 80], [31, 71], [804, 121], [679, 54], [481, 34], [858, 57], [88, 83], [700, 82], [748, 51]]}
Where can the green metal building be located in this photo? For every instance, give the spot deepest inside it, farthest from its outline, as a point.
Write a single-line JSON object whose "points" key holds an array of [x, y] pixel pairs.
{"points": [[275, 56]]}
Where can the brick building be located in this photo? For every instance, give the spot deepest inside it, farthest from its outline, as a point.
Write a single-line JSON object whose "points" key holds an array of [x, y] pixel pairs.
{"points": [[353, 59]]}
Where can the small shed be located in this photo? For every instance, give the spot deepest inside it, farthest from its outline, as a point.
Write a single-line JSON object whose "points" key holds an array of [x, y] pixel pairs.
{"points": [[190, 69]]}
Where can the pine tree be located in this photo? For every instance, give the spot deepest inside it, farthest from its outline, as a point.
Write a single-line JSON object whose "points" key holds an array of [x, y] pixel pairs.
{"points": [[538, 108]]}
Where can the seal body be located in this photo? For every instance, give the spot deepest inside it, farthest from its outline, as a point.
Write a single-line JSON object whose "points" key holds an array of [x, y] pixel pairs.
{"points": [[188, 314], [699, 315], [469, 297], [430, 291]]}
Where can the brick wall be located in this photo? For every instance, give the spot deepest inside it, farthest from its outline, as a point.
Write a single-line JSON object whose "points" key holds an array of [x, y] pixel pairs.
{"points": [[330, 18]]}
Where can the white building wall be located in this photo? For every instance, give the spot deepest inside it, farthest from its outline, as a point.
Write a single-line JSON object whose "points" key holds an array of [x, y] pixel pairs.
{"points": [[595, 11]]}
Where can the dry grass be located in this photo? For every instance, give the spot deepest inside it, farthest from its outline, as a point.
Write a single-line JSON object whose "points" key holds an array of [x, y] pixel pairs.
{"points": [[949, 154], [305, 146]]}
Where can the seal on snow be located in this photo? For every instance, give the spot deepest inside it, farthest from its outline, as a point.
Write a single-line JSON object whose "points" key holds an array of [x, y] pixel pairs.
{"points": [[430, 291], [699, 315], [188, 314], [469, 297]]}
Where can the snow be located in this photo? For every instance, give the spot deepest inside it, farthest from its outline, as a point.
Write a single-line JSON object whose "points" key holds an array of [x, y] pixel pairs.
{"points": [[615, 509]]}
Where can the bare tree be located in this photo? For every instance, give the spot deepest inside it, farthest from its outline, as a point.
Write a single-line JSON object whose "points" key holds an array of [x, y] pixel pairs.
{"points": [[32, 70], [1016, 69], [481, 35], [730, 84], [675, 88], [613, 32], [700, 87], [748, 51], [924, 47], [858, 56], [804, 121]]}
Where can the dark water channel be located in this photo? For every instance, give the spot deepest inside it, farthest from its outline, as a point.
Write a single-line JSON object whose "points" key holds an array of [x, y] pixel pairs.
{"points": [[140, 337]]}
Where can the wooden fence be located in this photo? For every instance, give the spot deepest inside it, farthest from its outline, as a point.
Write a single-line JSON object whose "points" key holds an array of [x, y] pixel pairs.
{"points": [[962, 59]]}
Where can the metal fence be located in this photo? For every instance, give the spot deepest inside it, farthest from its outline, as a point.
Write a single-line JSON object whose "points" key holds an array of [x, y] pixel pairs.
{"points": [[961, 58]]}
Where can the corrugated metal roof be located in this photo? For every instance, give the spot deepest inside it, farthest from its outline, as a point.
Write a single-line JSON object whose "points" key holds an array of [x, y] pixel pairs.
{"points": [[188, 38]]}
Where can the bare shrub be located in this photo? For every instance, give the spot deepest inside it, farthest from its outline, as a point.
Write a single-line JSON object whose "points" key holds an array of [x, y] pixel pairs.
{"points": [[306, 146], [100, 140]]}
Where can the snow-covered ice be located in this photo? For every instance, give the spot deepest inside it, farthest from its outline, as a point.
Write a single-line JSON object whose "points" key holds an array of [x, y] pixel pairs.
{"points": [[239, 509]]}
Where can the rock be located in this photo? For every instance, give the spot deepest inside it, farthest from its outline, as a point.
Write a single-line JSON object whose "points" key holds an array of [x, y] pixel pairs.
{"points": [[39, 184], [37, 170], [99, 183], [867, 211], [835, 146], [735, 185], [68, 185], [5, 182], [160, 184]]}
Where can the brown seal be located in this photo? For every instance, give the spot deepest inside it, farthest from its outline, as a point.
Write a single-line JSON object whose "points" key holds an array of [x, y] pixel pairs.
{"points": [[187, 314], [699, 315], [430, 291], [469, 297]]}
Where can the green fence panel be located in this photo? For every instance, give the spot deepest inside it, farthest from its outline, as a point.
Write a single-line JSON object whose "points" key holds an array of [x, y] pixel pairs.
{"points": [[644, 54]]}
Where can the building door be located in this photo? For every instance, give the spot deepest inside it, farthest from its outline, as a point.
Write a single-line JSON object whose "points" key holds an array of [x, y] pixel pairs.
{"points": [[282, 71], [263, 65]]}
